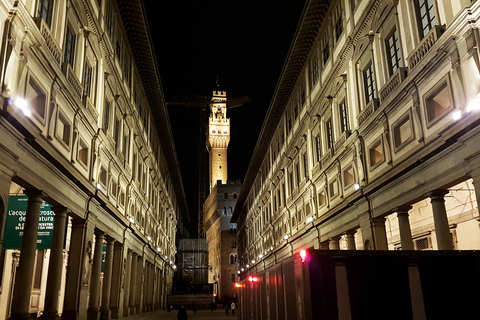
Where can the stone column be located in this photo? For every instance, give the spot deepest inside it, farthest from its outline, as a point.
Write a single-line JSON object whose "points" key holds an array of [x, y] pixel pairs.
{"points": [[404, 227], [442, 230], [54, 277], [78, 267], [334, 243], [476, 185], [5, 182], [24, 277], [117, 271], [126, 286], [95, 278], [133, 285], [350, 234], [139, 293], [107, 280], [325, 245], [378, 225]]}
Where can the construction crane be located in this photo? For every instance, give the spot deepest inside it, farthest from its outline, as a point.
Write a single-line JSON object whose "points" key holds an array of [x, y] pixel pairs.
{"points": [[202, 103]]}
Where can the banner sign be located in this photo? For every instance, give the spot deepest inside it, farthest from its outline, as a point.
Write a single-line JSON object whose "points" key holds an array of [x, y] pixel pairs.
{"points": [[104, 255], [15, 220]]}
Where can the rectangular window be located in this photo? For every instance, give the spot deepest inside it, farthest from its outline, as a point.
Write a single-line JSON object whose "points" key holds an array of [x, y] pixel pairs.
{"points": [[325, 46], [305, 165], [403, 132], [426, 16], [116, 132], [102, 177], [318, 147], [70, 39], [348, 176], [36, 98], [329, 129], [297, 173], [321, 198], [82, 156], [314, 68], [394, 55], [126, 143], [87, 80], [342, 108], [369, 83], [337, 20], [376, 153], [333, 188], [44, 11], [106, 115], [438, 102], [354, 4], [63, 129]]}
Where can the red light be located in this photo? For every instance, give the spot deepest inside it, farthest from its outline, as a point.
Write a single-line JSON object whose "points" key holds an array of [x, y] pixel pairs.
{"points": [[238, 285], [252, 279], [303, 254], [214, 294]]}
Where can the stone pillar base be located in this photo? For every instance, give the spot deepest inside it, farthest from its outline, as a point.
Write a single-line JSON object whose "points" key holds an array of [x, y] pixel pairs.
{"points": [[51, 316], [69, 315], [93, 315], [23, 316], [126, 312], [114, 313], [105, 315]]}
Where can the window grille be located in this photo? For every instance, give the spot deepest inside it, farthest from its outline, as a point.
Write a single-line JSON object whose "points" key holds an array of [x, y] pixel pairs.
{"points": [[394, 55], [369, 83]]}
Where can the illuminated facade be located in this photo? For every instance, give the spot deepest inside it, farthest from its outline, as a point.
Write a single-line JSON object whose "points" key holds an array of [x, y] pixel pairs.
{"points": [[219, 205], [373, 143], [84, 127]]}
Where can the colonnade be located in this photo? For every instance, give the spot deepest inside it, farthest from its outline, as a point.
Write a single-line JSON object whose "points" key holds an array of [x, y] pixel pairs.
{"points": [[133, 281], [373, 228]]}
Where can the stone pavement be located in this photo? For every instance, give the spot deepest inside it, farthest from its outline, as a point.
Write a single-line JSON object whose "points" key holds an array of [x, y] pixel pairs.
{"points": [[172, 315]]}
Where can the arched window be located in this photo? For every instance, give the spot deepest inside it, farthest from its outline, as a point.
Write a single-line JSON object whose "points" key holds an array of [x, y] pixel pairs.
{"points": [[233, 258], [234, 196]]}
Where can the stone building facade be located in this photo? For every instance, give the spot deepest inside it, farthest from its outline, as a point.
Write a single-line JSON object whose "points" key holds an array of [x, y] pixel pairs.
{"points": [[220, 204], [84, 127], [373, 142]]}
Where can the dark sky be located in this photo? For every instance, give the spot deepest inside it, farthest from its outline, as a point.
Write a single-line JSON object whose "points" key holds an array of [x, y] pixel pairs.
{"points": [[245, 43]]}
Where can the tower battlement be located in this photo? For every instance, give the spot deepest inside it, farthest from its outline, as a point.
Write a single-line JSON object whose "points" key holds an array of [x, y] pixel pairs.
{"points": [[220, 94]]}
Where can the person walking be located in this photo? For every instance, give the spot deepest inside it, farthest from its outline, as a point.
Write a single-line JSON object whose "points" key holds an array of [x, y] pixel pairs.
{"points": [[233, 306], [212, 306], [226, 308], [182, 313]]}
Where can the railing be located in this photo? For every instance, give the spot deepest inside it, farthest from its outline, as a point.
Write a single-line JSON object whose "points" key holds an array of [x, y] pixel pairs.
{"points": [[425, 45], [393, 83], [368, 110], [49, 40], [72, 78]]}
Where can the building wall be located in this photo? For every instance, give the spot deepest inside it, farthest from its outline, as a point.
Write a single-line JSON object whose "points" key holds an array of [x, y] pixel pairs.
{"points": [[76, 123], [221, 234], [374, 127]]}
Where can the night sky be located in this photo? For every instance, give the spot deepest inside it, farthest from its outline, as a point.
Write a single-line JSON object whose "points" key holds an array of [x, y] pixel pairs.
{"points": [[244, 43]]}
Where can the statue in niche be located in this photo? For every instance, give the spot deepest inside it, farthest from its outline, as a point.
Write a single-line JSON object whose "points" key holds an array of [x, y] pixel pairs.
{"points": [[87, 264]]}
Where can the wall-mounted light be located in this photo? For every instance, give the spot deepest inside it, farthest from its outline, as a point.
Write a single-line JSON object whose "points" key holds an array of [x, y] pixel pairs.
{"points": [[248, 266], [457, 115], [356, 186], [131, 220], [158, 249], [149, 239], [22, 104], [285, 237], [260, 256], [309, 219], [271, 248], [238, 272], [253, 261], [99, 187], [242, 269]]}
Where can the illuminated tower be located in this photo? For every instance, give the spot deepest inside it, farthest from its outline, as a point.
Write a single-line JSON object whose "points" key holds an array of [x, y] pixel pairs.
{"points": [[218, 138]]}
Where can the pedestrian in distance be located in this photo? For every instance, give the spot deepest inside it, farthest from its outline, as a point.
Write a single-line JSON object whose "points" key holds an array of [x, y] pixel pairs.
{"points": [[226, 309], [194, 308], [233, 306], [182, 313], [212, 306]]}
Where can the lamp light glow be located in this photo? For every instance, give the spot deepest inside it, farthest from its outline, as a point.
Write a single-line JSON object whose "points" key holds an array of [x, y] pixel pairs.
{"points": [[260, 256], [253, 261], [309, 219], [248, 266], [242, 269], [131, 220], [285, 237], [457, 115], [303, 254], [148, 238], [356, 186]]}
